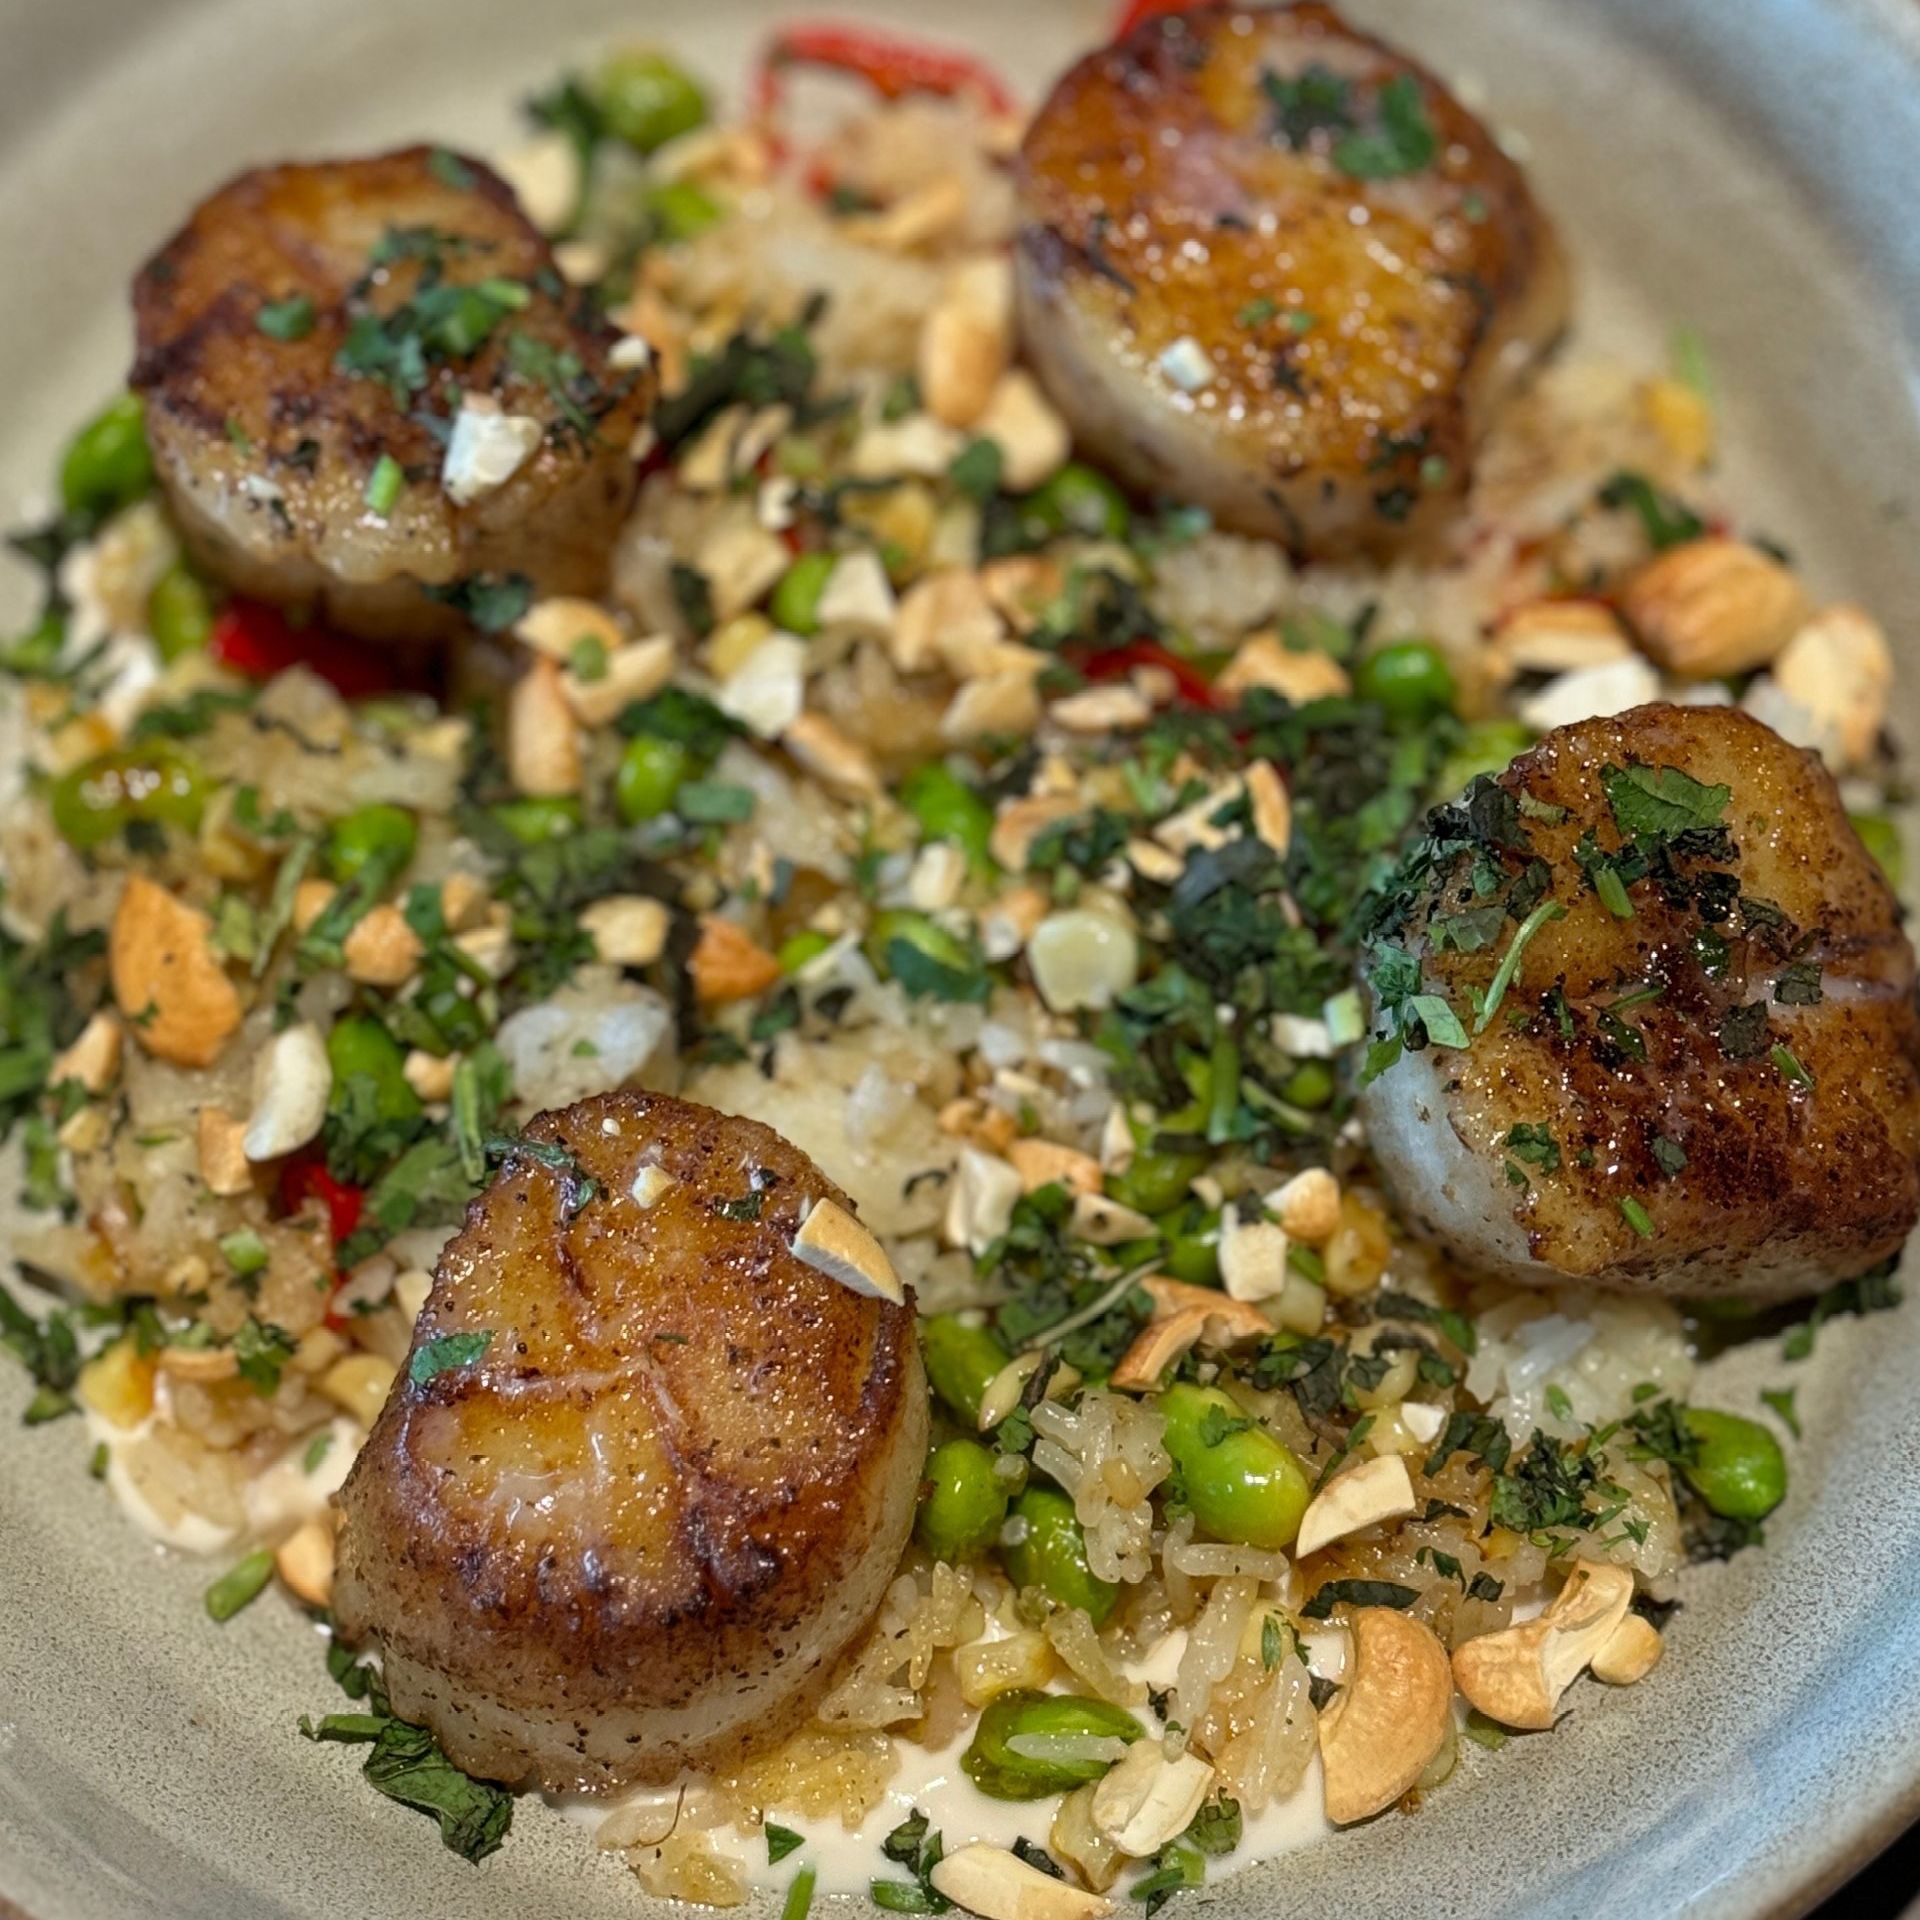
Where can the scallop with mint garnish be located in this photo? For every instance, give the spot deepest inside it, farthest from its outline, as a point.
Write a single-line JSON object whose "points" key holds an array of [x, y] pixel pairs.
{"points": [[1645, 1019]]}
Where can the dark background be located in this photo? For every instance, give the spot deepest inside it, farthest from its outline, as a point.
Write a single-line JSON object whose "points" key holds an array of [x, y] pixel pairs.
{"points": [[1885, 1891]]}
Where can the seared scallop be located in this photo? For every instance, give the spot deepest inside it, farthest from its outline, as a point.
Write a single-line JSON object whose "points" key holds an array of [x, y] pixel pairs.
{"points": [[648, 1473], [367, 386], [1269, 266], [1654, 1018]]}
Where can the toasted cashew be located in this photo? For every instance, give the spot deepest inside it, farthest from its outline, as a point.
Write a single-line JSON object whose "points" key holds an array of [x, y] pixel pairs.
{"points": [[1044, 1163], [833, 1242], [304, 1562], [998, 1885], [1517, 1676], [727, 964], [223, 1154], [94, 1057], [1380, 1732], [1629, 1653], [1363, 1496], [167, 979]]}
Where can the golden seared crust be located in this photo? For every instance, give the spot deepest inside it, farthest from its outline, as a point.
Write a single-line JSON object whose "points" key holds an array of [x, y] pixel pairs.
{"points": [[638, 1531], [266, 444], [1752, 1182], [1356, 332]]}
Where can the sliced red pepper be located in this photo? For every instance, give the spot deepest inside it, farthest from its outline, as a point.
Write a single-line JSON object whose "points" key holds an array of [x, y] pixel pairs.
{"points": [[891, 66], [305, 1179], [1135, 12], [1115, 663], [259, 641]]}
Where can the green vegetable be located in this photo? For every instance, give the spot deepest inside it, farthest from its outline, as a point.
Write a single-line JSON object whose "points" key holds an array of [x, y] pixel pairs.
{"points": [[1155, 1180], [179, 614], [384, 484], [900, 926], [781, 1841], [379, 838], [1486, 747], [288, 319], [798, 948], [1242, 1484], [1078, 499], [107, 465], [446, 1353], [1052, 1555], [1002, 1772], [1738, 1468], [1311, 1085], [369, 1073], [795, 605], [1193, 1252], [1881, 838], [537, 819], [961, 1515], [651, 773], [646, 100], [1409, 678], [948, 809], [153, 782], [679, 209], [799, 1895], [239, 1585], [961, 1362]]}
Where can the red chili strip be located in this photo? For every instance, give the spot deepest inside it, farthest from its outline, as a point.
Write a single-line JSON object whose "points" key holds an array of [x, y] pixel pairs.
{"points": [[893, 67], [259, 641]]}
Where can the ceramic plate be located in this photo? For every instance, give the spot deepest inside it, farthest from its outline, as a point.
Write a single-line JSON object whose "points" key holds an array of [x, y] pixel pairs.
{"points": [[1755, 184]]}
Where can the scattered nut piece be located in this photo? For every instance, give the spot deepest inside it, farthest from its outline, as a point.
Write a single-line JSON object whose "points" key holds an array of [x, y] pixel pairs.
{"points": [[830, 756], [833, 1242], [1023, 423], [381, 950], [1363, 1496], [939, 872], [292, 1079], [1144, 1799], [998, 1885], [1104, 1222], [1383, 1728], [1003, 702], [359, 1385], [1271, 807], [223, 1156], [943, 615], [304, 1562], [311, 898], [1114, 708], [858, 597], [94, 1057], [167, 979], [543, 752], [1557, 636], [1713, 606], [557, 627], [727, 964], [741, 562], [980, 1200], [1629, 1653], [1017, 824], [1308, 1205], [1264, 660], [929, 212], [1838, 669], [1253, 1256], [1004, 1391], [430, 1075], [1517, 1676], [201, 1365], [651, 1185], [1045, 1163], [1195, 826], [966, 342], [627, 929], [766, 692]]}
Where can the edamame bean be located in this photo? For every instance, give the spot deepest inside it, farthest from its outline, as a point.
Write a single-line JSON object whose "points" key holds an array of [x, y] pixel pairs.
{"points": [[795, 604], [679, 209], [179, 614], [1192, 1236], [798, 948], [646, 99], [1409, 678], [651, 772], [1739, 1471], [369, 1072], [1077, 499], [948, 809], [377, 840], [961, 1362], [107, 794], [1154, 1181], [967, 1501], [1311, 1085], [538, 818], [107, 465], [1242, 1484], [1052, 1555], [999, 1769]]}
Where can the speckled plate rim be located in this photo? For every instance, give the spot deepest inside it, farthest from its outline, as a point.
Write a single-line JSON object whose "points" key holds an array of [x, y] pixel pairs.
{"points": [[1701, 175]]}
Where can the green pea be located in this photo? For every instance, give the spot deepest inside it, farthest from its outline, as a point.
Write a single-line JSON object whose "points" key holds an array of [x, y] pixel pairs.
{"points": [[1078, 499], [1000, 1770], [537, 819], [651, 772], [1881, 838], [1154, 1181], [965, 1504], [798, 948], [1311, 1085], [107, 794], [1052, 1555], [1192, 1247], [646, 100], [369, 1072], [107, 465], [961, 1361], [179, 613], [377, 840], [679, 209], [1242, 1484], [1486, 747], [921, 932], [795, 605], [1409, 678], [948, 809], [1739, 1471]]}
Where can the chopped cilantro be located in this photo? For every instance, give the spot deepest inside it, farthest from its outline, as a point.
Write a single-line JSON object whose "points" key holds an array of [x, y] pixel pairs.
{"points": [[289, 319]]}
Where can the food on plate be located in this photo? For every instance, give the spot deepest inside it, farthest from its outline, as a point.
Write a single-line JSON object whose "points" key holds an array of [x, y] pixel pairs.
{"points": [[368, 387], [1650, 970], [1269, 265], [945, 881], [648, 1470]]}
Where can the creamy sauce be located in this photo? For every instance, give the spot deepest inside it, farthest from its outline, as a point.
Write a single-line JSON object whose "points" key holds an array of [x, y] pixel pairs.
{"points": [[930, 1780]]}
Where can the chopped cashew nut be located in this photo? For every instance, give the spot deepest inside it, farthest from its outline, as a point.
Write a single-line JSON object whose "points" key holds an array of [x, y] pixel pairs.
{"points": [[430, 1075], [830, 756], [1043, 1163], [1145, 1799], [1021, 421], [1019, 823], [1253, 1256], [1838, 672], [381, 950], [223, 1155], [1102, 1222], [1263, 661], [981, 1200], [304, 1562], [1629, 1653], [1380, 1732], [291, 1081], [167, 979], [1308, 1206], [1518, 1675], [201, 1365], [1376, 1490], [1712, 607], [627, 929], [651, 1185], [998, 1885], [833, 1242], [1004, 1390], [726, 963], [94, 1057], [1184, 1318], [1271, 806], [1559, 636], [543, 752]]}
